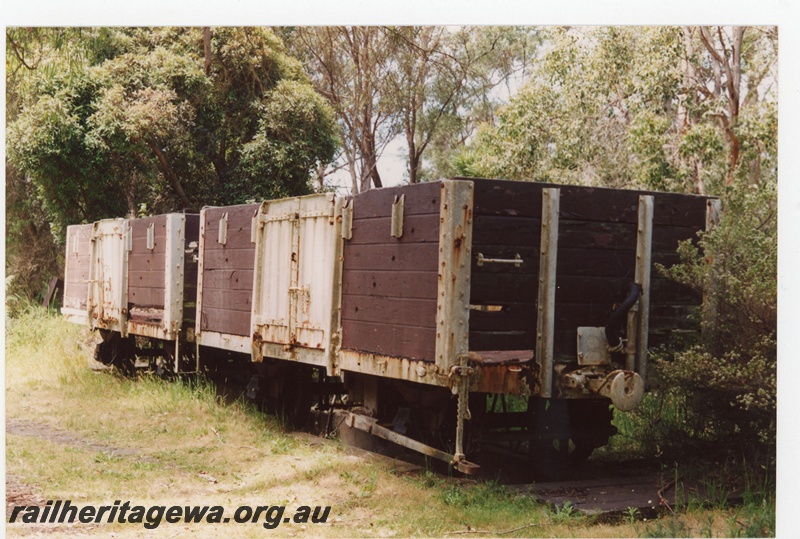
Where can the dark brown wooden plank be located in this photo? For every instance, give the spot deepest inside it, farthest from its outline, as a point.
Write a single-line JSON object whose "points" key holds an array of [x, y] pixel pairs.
{"points": [[499, 288], [146, 262], [392, 257], [227, 279], [499, 197], [230, 300], [239, 217], [240, 221], [502, 197], [398, 341], [402, 311], [237, 238], [597, 235], [149, 297], [397, 284], [519, 316], [572, 289], [416, 229], [420, 199], [241, 259], [147, 279], [505, 230], [224, 321], [595, 263], [139, 245]]}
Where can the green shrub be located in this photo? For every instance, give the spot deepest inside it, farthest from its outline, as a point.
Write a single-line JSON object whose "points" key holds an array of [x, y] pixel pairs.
{"points": [[729, 379]]}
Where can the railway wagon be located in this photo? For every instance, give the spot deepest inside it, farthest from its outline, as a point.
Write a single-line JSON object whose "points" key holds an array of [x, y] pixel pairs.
{"points": [[134, 277], [492, 288], [459, 317], [268, 296]]}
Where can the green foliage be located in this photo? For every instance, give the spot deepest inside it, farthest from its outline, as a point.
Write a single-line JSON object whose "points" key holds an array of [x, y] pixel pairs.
{"points": [[631, 107], [104, 122], [732, 375], [564, 514], [294, 128], [572, 122]]}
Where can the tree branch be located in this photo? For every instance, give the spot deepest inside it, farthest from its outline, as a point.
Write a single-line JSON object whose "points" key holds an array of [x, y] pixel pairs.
{"points": [[170, 174], [18, 52]]}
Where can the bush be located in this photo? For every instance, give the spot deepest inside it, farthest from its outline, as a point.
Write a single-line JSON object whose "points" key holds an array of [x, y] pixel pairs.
{"points": [[730, 377]]}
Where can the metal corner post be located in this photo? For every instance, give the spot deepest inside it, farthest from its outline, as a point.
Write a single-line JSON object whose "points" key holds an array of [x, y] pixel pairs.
{"points": [[545, 320], [453, 299], [335, 325], [644, 244], [198, 323], [257, 236], [455, 264]]}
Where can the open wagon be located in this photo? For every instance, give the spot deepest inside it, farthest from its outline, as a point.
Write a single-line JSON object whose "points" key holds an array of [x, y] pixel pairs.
{"points": [[131, 278], [489, 289]]}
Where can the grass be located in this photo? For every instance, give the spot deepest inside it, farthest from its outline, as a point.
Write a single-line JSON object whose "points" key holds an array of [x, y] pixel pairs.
{"points": [[738, 497], [158, 442]]}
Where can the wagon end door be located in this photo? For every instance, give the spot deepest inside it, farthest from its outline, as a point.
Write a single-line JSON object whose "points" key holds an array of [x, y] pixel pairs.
{"points": [[108, 290], [295, 257]]}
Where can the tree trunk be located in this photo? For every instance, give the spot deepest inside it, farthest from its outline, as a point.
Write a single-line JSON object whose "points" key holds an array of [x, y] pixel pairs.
{"points": [[171, 176], [207, 48]]}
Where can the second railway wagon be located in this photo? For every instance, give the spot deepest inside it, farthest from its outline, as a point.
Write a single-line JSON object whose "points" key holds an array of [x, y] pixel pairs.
{"points": [[134, 277], [432, 306]]}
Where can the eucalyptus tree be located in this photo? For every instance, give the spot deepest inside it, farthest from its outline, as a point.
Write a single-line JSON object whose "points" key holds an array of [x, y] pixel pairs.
{"points": [[444, 79], [666, 108], [32, 253], [429, 85], [349, 66]]}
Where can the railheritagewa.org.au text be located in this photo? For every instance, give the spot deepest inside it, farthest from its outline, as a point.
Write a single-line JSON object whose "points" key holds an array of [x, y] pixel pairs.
{"points": [[151, 517]]}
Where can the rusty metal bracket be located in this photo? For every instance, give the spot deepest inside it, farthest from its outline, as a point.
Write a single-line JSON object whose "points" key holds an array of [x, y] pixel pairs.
{"points": [[397, 215], [151, 236], [222, 238], [517, 260], [347, 219]]}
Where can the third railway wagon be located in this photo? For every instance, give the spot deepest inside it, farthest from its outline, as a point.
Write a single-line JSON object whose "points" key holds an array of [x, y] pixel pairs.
{"points": [[431, 306]]}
